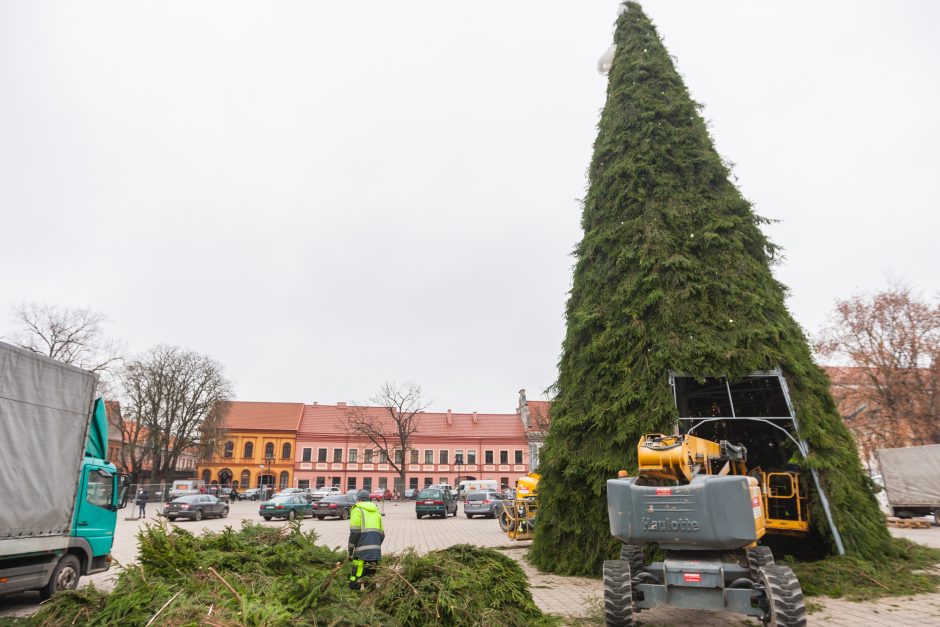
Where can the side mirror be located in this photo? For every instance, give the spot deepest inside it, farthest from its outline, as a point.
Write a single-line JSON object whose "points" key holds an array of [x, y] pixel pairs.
{"points": [[123, 489]]}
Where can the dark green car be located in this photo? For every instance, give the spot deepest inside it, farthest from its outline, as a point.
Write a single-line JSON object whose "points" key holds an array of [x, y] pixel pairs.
{"points": [[435, 502], [289, 507]]}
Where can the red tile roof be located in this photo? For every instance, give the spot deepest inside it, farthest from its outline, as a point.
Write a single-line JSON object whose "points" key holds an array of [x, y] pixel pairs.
{"points": [[243, 415], [539, 418], [331, 419]]}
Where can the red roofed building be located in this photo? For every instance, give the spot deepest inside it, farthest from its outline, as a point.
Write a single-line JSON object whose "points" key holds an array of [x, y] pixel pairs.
{"points": [[257, 448], [446, 448]]}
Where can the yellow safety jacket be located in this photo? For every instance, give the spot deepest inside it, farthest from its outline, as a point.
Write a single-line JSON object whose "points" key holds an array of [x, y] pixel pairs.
{"points": [[366, 533]]}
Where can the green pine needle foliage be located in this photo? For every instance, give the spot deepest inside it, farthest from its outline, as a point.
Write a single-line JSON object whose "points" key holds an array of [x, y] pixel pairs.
{"points": [[673, 273], [283, 577]]}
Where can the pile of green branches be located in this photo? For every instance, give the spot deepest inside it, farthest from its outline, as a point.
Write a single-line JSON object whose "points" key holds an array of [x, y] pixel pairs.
{"points": [[262, 576]]}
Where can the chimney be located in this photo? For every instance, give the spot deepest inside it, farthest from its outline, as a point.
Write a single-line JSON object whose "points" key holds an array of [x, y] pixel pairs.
{"points": [[474, 419], [341, 404], [523, 410], [314, 403], [450, 417]]}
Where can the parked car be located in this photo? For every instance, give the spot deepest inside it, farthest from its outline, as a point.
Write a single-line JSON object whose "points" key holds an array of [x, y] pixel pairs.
{"points": [[251, 494], [483, 503], [380, 494], [292, 492], [338, 505], [223, 494], [435, 502], [411, 493], [319, 493], [289, 506], [195, 506]]}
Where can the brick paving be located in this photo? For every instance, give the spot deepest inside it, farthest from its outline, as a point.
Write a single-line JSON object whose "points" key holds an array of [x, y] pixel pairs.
{"points": [[574, 597]]}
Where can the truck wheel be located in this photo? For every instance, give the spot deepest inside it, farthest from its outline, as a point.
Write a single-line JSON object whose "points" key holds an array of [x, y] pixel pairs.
{"points": [[505, 523], [757, 558], [783, 597], [64, 577], [633, 555], [198, 515], [618, 594]]}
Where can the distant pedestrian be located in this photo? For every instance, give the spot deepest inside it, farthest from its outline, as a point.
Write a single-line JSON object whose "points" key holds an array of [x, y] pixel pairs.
{"points": [[142, 498]]}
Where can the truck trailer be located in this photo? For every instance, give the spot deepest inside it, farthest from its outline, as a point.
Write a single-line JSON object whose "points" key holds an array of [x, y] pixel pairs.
{"points": [[911, 478], [59, 494]]}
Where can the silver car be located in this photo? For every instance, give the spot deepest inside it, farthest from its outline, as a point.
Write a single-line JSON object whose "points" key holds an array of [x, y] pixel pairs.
{"points": [[483, 503]]}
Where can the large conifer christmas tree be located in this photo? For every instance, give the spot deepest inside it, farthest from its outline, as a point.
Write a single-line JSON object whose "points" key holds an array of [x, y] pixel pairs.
{"points": [[673, 273]]}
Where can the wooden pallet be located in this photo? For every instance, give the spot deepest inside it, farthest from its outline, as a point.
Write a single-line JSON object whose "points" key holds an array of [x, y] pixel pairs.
{"points": [[908, 523]]}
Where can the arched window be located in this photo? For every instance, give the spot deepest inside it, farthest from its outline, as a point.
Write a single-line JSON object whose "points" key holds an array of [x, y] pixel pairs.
{"points": [[269, 449], [249, 449], [246, 479], [229, 449], [283, 482], [206, 475], [285, 451]]}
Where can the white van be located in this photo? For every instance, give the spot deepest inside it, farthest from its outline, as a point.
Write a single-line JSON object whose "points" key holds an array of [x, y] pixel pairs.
{"points": [[186, 487], [475, 485]]}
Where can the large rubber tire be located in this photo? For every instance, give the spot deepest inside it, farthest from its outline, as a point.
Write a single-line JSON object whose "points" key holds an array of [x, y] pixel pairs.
{"points": [[757, 558], [266, 517], [618, 594], [224, 513], [171, 518], [936, 516], [505, 523], [419, 516], [633, 555], [784, 597], [469, 516], [320, 517], [65, 577], [198, 515], [344, 515], [291, 515]]}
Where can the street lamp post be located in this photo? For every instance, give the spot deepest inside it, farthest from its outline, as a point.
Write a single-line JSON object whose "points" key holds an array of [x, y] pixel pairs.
{"points": [[268, 460], [458, 462]]}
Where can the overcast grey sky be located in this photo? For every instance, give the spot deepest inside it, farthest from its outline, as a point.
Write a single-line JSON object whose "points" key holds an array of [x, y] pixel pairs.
{"points": [[327, 195]]}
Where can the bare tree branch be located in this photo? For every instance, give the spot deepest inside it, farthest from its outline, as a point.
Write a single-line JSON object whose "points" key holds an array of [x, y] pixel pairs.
{"points": [[389, 424]]}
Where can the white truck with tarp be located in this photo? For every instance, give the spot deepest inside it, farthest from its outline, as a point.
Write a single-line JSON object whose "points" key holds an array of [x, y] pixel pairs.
{"points": [[911, 477], [59, 494]]}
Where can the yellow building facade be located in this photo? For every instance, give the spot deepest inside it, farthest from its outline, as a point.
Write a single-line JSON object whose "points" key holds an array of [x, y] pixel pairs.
{"points": [[258, 447]]}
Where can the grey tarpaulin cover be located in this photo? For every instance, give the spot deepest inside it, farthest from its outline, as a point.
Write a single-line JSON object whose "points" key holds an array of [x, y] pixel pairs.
{"points": [[911, 475], [45, 408]]}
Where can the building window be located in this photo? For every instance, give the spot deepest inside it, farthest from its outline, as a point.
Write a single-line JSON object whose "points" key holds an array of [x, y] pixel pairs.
{"points": [[285, 477], [504, 457], [249, 449], [413, 483], [285, 451], [443, 481], [246, 480], [428, 481], [320, 480], [367, 483], [269, 449], [206, 475], [458, 456], [369, 454], [383, 483], [353, 455], [337, 481], [351, 483], [428, 456], [321, 455], [229, 449], [399, 458], [414, 458], [308, 454], [487, 457], [383, 456], [337, 454], [304, 484], [504, 482], [518, 456], [471, 457], [443, 456]]}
